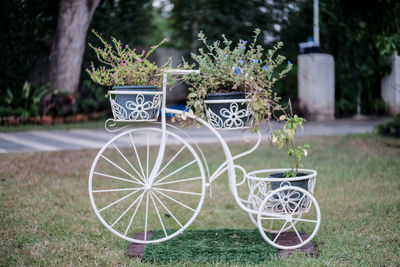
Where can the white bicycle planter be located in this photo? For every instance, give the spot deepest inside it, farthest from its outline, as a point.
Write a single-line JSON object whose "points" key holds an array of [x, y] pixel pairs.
{"points": [[152, 178]]}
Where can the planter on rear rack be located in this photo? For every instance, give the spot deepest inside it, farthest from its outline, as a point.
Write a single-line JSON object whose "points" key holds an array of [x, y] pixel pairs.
{"points": [[229, 110], [135, 103], [263, 182], [282, 181]]}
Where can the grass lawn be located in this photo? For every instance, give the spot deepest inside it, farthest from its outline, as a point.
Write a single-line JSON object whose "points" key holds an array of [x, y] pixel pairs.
{"points": [[46, 218], [94, 124]]}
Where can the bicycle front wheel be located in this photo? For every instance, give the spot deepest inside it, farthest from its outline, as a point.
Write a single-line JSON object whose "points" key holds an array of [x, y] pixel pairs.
{"points": [[130, 194]]}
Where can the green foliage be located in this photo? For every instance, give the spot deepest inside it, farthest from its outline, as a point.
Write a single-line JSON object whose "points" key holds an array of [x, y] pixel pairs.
{"points": [[235, 18], [360, 37], [125, 66], [390, 127], [211, 246], [90, 98], [25, 32], [24, 104], [242, 67], [285, 138], [121, 18], [130, 20]]}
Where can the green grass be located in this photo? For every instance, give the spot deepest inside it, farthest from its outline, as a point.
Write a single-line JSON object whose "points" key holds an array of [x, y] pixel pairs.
{"points": [[211, 246], [46, 218], [64, 126]]}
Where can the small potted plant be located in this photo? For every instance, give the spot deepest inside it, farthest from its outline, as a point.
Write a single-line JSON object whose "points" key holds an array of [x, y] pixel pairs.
{"points": [[294, 176], [235, 82], [133, 77]]}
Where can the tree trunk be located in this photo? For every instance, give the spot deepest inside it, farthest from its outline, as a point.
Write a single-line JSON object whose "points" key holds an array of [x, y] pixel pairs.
{"points": [[68, 45]]}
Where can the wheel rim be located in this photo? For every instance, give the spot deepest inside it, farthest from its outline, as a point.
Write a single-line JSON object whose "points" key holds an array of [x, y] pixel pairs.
{"points": [[125, 200], [253, 218], [282, 206]]}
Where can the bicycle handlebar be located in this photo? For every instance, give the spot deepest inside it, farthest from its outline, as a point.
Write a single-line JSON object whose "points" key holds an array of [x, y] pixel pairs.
{"points": [[178, 71]]}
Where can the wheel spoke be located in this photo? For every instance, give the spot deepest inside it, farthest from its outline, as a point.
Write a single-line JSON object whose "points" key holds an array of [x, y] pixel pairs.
{"points": [[297, 233], [147, 212], [130, 164], [113, 163], [147, 164], [117, 189], [272, 218], [174, 200], [283, 205], [130, 206], [304, 220], [178, 191], [178, 181], [298, 204], [158, 214], [170, 161], [280, 231], [122, 198], [116, 178], [134, 213], [137, 155], [169, 212], [176, 171]]}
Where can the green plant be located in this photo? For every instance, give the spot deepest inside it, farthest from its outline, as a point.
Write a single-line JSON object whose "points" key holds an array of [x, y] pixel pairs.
{"points": [[25, 104], [90, 97], [390, 127], [344, 25], [285, 137], [125, 66], [226, 68]]}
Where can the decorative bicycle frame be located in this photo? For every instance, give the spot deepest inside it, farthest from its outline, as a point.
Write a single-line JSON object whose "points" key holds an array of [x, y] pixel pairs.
{"points": [[174, 200]]}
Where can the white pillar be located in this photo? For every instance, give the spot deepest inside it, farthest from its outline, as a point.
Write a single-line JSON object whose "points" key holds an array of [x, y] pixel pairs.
{"points": [[390, 86], [316, 22], [316, 79]]}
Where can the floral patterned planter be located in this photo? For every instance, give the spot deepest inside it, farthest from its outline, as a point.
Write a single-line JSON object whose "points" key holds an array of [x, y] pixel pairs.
{"points": [[263, 182], [229, 111], [135, 103], [293, 198]]}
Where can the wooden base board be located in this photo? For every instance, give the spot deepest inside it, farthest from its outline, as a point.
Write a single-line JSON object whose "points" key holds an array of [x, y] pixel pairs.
{"points": [[290, 239], [136, 250]]}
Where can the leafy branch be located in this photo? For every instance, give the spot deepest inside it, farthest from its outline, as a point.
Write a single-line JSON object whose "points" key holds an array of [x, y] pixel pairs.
{"points": [[285, 138]]}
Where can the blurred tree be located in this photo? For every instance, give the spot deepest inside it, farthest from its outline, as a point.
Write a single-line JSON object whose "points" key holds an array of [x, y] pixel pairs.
{"points": [[129, 20], [30, 42], [69, 43], [351, 32], [25, 36], [25, 39], [360, 35], [236, 19]]}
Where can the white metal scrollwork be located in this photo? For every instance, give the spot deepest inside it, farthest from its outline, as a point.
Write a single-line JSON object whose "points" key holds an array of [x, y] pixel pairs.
{"points": [[118, 111]]}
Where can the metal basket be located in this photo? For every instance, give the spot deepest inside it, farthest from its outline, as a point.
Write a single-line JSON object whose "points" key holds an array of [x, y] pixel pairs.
{"points": [[261, 185]]}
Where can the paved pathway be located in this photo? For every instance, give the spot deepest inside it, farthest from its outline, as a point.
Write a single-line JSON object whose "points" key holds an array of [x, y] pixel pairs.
{"points": [[57, 140]]}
